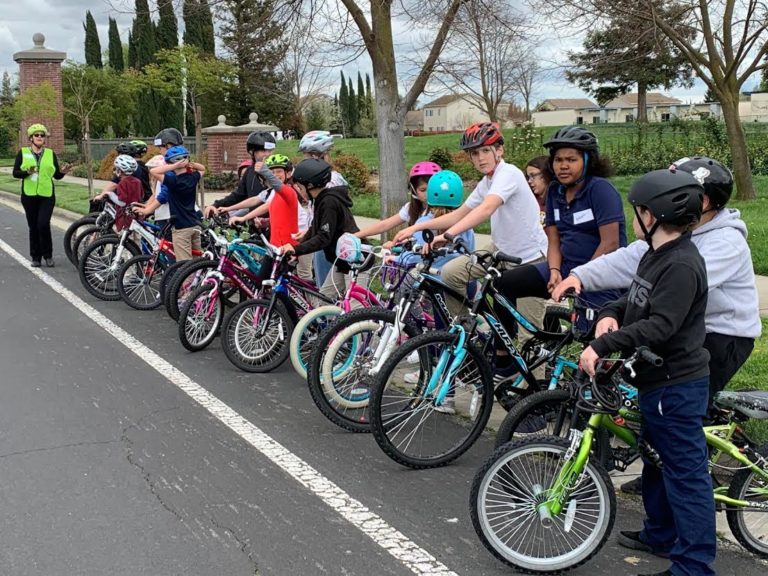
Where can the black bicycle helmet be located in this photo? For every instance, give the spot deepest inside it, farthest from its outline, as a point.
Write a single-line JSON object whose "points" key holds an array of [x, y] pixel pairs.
{"points": [[313, 173], [481, 134], [716, 178], [258, 140], [672, 198], [572, 137], [169, 136], [127, 148]]}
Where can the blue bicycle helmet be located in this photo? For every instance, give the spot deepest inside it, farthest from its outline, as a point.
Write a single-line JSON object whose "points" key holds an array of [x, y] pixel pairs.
{"points": [[445, 189], [175, 154]]}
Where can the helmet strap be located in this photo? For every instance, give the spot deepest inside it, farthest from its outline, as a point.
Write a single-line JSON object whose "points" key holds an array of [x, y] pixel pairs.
{"points": [[648, 234]]}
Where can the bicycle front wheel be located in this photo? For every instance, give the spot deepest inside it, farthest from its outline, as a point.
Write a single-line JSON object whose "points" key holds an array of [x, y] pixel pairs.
{"points": [[306, 333], [506, 502], [201, 317], [418, 417], [750, 525], [138, 281]]}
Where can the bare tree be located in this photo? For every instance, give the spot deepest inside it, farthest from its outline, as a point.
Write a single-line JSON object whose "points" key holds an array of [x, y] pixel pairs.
{"points": [[725, 44], [482, 56], [527, 81]]}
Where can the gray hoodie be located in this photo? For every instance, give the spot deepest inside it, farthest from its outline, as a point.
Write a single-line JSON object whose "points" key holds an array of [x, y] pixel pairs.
{"points": [[732, 306]]}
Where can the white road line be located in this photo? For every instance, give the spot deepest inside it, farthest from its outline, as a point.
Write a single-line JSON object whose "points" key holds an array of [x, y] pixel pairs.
{"points": [[415, 558]]}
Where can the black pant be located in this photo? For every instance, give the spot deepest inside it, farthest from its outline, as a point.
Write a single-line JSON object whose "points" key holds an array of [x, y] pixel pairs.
{"points": [[39, 210], [726, 356], [520, 282]]}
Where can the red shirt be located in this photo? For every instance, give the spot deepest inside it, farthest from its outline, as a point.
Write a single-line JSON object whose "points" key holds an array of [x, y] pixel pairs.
{"points": [[283, 216], [129, 190]]}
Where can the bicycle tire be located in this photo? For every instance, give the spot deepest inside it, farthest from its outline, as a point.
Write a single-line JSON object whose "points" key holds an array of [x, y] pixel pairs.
{"points": [[85, 238], [94, 259], [140, 267], [494, 506], [739, 489], [236, 330], [533, 414], [73, 230], [165, 285], [190, 313], [305, 334], [395, 429], [176, 300]]}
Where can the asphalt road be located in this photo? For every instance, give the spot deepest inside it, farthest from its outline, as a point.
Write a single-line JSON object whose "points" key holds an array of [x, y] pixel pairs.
{"points": [[122, 453]]}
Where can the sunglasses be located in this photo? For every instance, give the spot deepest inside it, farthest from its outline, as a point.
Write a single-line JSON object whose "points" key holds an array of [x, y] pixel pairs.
{"points": [[38, 135]]}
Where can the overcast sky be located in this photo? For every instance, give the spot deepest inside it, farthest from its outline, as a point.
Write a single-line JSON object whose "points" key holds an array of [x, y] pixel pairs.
{"points": [[61, 21]]}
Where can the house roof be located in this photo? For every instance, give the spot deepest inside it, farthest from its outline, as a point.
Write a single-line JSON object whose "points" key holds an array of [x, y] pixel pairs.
{"points": [[443, 101], [566, 104], [414, 118], [652, 99]]}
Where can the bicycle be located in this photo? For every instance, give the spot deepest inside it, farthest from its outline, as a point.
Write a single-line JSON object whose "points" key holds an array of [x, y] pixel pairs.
{"points": [[431, 420], [542, 505]]}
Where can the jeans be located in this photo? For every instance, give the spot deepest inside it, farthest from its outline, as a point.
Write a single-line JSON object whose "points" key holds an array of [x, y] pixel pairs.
{"points": [[322, 267], [679, 507]]}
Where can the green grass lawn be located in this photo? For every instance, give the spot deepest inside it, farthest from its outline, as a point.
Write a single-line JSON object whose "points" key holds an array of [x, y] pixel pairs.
{"points": [[754, 375], [72, 197], [6, 162]]}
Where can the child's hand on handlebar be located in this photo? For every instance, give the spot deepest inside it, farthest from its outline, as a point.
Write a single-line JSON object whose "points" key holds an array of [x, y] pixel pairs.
{"points": [[606, 325], [588, 361], [570, 283], [403, 235]]}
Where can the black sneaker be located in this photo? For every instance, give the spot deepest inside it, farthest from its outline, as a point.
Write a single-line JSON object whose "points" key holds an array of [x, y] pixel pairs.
{"points": [[665, 573], [50, 263], [633, 541], [634, 487], [35, 263]]}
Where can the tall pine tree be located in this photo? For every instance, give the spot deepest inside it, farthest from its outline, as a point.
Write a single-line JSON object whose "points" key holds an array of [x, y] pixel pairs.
{"points": [[7, 94], [92, 43], [167, 38], [147, 120], [344, 106], [208, 45], [116, 61], [198, 25], [253, 41], [131, 50], [368, 95], [362, 103], [352, 113]]}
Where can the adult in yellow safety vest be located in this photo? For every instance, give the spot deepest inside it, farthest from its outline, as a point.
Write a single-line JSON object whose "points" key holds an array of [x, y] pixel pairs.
{"points": [[37, 167]]}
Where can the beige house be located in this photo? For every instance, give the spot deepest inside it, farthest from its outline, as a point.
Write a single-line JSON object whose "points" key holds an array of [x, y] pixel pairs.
{"points": [[451, 113], [564, 112], [414, 121]]}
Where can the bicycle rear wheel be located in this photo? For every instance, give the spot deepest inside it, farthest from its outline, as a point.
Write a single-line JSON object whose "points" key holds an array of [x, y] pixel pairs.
{"points": [[306, 333], [73, 231], [201, 317], [138, 281], [100, 264], [421, 427], [186, 280], [544, 413], [508, 492], [750, 525]]}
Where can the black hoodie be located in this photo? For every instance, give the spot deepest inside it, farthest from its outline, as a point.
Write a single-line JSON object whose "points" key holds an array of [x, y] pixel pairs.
{"points": [[332, 218]]}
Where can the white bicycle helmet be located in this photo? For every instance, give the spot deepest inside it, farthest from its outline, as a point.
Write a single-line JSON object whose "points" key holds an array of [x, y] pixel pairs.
{"points": [[126, 164], [316, 141]]}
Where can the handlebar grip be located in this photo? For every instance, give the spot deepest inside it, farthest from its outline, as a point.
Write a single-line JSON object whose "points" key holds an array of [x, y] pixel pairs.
{"points": [[645, 354], [449, 237], [500, 256]]}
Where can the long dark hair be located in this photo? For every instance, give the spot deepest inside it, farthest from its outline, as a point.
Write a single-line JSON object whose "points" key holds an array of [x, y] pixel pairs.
{"points": [[416, 207], [541, 163]]}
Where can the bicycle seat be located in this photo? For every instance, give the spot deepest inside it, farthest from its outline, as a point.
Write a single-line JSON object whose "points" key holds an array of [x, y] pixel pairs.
{"points": [[750, 403]]}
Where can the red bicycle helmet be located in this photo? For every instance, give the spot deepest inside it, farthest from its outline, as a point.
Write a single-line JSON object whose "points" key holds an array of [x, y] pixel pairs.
{"points": [[481, 134]]}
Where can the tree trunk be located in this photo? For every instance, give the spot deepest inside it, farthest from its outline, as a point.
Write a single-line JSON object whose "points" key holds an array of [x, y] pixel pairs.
{"points": [[742, 172], [88, 155], [642, 99], [199, 150]]}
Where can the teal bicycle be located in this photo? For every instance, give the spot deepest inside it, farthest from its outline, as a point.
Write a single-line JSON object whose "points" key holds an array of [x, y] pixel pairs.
{"points": [[547, 505]]}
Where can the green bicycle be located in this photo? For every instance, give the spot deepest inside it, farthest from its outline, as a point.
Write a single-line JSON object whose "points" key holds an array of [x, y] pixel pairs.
{"points": [[542, 505]]}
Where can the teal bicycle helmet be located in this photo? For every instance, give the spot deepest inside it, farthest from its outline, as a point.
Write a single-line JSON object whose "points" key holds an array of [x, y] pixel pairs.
{"points": [[445, 189]]}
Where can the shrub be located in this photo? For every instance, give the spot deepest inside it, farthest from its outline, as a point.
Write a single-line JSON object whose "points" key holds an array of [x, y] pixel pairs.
{"points": [[442, 157], [354, 170], [107, 166], [223, 181], [70, 157], [81, 170]]}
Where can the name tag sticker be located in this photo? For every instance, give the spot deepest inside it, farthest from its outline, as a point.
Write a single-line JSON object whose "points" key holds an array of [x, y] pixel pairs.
{"points": [[583, 216], [557, 215]]}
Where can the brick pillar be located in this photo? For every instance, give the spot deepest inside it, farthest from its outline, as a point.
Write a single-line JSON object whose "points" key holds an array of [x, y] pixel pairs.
{"points": [[38, 65], [226, 145]]}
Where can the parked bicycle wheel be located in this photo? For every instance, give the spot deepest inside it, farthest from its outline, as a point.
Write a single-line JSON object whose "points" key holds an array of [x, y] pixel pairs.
{"points": [[255, 338], [506, 506], [306, 333], [545, 413], [138, 281], [165, 284], [186, 280], [417, 420], [72, 233], [87, 236], [750, 525], [101, 263], [339, 375], [201, 317]]}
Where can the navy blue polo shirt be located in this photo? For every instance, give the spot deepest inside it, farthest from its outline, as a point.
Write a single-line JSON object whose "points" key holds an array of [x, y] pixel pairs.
{"points": [[598, 203], [181, 198]]}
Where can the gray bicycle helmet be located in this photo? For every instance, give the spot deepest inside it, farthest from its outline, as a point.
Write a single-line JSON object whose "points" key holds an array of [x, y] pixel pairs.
{"points": [[169, 136], [260, 141], [127, 148], [126, 164], [572, 137], [672, 198]]}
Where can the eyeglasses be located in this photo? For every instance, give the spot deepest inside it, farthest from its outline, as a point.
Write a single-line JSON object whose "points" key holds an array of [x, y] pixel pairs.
{"points": [[533, 176], [38, 135]]}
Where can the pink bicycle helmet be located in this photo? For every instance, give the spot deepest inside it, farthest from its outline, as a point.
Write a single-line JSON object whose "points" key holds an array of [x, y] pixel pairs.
{"points": [[424, 169]]}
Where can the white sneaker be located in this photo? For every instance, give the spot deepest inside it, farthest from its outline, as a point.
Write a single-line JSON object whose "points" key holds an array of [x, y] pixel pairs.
{"points": [[447, 407], [413, 357], [411, 377]]}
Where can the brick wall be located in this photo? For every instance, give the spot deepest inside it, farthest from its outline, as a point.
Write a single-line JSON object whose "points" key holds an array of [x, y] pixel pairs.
{"points": [[226, 151], [30, 74]]}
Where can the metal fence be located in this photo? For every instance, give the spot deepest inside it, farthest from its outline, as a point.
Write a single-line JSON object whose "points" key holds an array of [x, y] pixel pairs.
{"points": [[103, 146]]}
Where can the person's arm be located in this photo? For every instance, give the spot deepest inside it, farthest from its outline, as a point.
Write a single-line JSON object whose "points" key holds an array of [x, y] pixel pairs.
{"points": [[609, 240], [149, 208], [322, 238], [251, 202], [473, 218], [17, 171], [237, 195], [257, 212], [197, 167], [669, 304], [380, 227], [554, 256], [445, 221], [159, 171], [272, 181], [613, 270], [59, 173]]}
